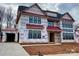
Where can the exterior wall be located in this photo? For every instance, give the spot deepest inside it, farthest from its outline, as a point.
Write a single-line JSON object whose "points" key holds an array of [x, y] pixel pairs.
{"points": [[24, 19], [24, 31], [76, 34]]}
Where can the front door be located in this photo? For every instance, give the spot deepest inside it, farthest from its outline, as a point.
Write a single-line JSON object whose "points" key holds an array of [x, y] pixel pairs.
{"points": [[51, 37]]}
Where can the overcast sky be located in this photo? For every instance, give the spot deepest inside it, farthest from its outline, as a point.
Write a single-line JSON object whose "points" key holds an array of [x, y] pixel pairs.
{"points": [[72, 8]]}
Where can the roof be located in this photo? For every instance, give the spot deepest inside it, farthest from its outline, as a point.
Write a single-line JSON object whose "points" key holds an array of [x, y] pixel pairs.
{"points": [[67, 14], [8, 29], [50, 11], [58, 14], [54, 28], [23, 8]]}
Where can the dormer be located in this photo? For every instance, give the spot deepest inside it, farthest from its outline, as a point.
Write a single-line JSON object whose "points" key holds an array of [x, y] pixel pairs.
{"points": [[51, 13]]}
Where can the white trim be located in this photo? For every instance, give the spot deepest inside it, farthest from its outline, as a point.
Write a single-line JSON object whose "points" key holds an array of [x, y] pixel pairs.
{"points": [[68, 40], [61, 32]]}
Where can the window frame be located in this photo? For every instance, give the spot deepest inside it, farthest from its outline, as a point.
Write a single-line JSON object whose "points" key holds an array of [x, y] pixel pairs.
{"points": [[68, 36], [35, 20], [33, 34]]}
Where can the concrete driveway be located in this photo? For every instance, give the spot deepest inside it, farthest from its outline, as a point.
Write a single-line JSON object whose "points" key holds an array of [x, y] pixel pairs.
{"points": [[12, 49]]}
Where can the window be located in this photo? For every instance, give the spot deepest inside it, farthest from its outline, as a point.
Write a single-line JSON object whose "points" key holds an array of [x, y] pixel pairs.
{"points": [[39, 20], [68, 30], [67, 25], [68, 36], [30, 34], [34, 34], [30, 19], [34, 19], [50, 23]]}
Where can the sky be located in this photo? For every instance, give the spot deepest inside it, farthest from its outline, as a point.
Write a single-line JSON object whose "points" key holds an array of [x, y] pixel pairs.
{"points": [[72, 8]]}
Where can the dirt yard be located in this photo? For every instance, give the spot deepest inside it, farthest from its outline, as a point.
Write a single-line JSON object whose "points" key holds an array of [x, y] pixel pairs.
{"points": [[51, 49]]}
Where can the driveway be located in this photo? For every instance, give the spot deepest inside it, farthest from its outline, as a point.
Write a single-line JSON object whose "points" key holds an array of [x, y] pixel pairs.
{"points": [[12, 49]]}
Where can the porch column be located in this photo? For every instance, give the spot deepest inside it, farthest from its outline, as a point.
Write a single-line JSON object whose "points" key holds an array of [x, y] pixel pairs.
{"points": [[4, 37], [16, 37]]}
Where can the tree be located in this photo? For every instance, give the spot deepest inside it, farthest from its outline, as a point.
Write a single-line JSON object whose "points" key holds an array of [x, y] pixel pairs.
{"points": [[2, 12], [9, 17]]}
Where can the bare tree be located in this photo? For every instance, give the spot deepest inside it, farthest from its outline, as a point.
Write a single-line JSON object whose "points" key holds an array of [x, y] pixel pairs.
{"points": [[2, 12], [9, 17]]}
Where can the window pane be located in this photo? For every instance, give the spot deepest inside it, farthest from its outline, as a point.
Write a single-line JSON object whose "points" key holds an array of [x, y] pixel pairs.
{"points": [[39, 34], [35, 19], [50, 23], [68, 30], [34, 34], [67, 25], [39, 20], [30, 34], [30, 19], [68, 36]]}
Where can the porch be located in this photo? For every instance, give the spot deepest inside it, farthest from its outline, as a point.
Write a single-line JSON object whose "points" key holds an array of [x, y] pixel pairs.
{"points": [[54, 34]]}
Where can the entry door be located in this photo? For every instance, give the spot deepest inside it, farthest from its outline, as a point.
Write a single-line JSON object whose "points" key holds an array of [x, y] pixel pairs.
{"points": [[51, 37]]}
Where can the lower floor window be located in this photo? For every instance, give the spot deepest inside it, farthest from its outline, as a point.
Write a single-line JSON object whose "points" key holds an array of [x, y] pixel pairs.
{"points": [[68, 36], [34, 34]]}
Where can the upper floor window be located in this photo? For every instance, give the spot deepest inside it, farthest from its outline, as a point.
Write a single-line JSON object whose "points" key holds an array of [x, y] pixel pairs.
{"points": [[50, 23], [67, 25], [34, 19]]}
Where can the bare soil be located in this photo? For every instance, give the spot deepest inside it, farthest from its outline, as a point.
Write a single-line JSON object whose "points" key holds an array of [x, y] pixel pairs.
{"points": [[52, 49]]}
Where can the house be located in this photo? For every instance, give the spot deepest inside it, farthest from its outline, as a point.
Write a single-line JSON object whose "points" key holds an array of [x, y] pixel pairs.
{"points": [[34, 25]]}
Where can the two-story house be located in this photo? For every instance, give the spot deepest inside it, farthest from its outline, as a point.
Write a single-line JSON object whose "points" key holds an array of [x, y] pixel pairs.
{"points": [[35, 25], [38, 26]]}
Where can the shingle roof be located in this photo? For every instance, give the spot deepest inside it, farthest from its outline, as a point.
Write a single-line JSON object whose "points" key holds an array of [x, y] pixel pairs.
{"points": [[53, 28], [58, 14], [21, 8]]}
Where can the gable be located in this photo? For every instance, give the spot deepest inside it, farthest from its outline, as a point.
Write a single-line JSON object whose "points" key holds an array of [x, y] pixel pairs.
{"points": [[66, 16], [34, 9]]}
